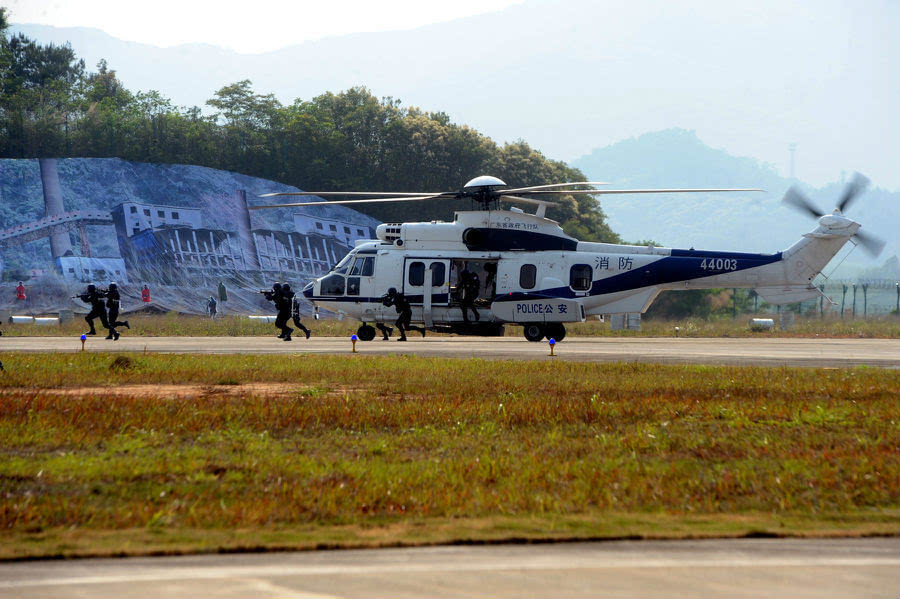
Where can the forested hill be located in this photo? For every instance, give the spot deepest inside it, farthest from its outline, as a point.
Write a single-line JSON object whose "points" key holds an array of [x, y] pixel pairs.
{"points": [[51, 105], [739, 221]]}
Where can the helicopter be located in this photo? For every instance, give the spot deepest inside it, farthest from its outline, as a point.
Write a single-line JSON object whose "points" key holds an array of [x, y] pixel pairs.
{"points": [[530, 273]]}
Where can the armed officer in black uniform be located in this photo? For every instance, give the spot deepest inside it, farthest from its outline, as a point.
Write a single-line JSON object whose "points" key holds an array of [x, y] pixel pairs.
{"points": [[276, 297], [295, 309], [469, 285], [112, 304], [95, 297], [404, 311]]}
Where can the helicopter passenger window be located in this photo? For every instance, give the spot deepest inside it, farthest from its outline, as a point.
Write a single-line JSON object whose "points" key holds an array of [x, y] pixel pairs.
{"points": [[357, 267], [580, 277], [527, 276], [437, 274], [333, 285], [352, 285], [417, 274]]}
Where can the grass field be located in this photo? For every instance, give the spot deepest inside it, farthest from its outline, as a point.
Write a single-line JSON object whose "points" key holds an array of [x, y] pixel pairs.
{"points": [[138, 454], [885, 327]]}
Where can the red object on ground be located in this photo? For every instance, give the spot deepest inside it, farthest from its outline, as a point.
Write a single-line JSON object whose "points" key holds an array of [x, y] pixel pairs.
{"points": [[20, 292], [145, 294]]}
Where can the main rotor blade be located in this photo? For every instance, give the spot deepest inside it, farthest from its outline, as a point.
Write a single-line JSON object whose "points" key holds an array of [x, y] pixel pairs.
{"points": [[376, 194], [853, 190], [526, 200], [627, 191], [534, 187], [369, 201], [796, 199], [872, 244]]}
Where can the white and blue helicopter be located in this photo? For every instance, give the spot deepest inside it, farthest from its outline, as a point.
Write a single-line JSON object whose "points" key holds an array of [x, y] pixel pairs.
{"points": [[530, 273]]}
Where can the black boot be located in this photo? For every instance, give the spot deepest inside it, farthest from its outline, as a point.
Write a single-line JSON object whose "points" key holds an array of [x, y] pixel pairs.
{"points": [[116, 335], [307, 332], [127, 326], [287, 334]]}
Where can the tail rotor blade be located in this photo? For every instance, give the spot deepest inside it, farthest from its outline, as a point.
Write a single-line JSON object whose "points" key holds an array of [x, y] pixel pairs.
{"points": [[872, 244], [854, 189], [797, 200]]}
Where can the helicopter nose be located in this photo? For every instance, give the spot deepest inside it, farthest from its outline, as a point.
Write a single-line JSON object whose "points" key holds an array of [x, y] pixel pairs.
{"points": [[308, 290]]}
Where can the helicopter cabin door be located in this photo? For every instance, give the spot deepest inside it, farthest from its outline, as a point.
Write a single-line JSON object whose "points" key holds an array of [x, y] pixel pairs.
{"points": [[426, 284]]}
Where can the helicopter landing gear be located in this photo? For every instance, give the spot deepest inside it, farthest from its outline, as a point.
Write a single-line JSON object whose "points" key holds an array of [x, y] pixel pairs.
{"points": [[536, 332], [365, 332], [555, 331], [533, 332]]}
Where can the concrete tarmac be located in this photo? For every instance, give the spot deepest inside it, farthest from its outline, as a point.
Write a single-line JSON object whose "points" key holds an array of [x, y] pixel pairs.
{"points": [[725, 568], [883, 353]]}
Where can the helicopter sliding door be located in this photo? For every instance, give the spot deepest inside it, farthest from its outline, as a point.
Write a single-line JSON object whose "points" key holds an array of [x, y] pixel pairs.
{"points": [[426, 284]]}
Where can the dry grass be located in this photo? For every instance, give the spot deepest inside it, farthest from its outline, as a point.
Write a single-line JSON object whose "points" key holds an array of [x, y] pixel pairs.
{"points": [[318, 450]]}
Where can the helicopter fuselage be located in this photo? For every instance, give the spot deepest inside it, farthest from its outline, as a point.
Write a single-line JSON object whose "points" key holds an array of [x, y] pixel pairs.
{"points": [[530, 273]]}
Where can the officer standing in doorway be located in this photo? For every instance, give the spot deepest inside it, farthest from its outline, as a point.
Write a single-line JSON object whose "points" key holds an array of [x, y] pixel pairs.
{"points": [[470, 286]]}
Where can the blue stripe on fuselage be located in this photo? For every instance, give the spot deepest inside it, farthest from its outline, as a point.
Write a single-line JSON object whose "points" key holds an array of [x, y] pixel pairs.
{"points": [[670, 269]]}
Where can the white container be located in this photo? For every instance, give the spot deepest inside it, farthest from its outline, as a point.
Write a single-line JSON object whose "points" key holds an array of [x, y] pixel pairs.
{"points": [[22, 319], [45, 320], [262, 318], [762, 324]]}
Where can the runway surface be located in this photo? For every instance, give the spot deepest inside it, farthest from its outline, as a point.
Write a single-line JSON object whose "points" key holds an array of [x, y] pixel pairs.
{"points": [[735, 568], [740, 351]]}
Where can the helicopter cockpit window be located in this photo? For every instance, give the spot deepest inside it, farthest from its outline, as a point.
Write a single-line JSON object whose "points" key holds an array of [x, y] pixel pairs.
{"points": [[332, 285], [363, 267], [343, 265], [438, 273], [580, 277], [527, 276], [417, 274]]}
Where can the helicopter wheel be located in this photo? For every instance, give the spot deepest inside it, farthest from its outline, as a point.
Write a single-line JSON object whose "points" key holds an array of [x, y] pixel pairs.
{"points": [[555, 331], [533, 332], [365, 332]]}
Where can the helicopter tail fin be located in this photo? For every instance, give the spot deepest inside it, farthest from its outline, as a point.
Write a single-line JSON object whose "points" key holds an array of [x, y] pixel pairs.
{"points": [[803, 261]]}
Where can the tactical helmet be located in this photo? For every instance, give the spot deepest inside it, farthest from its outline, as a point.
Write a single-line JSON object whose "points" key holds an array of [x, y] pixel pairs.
{"points": [[91, 287], [286, 287], [276, 286]]}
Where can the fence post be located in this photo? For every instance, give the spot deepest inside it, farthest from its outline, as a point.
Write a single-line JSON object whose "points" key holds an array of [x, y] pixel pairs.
{"points": [[854, 300], [897, 285], [843, 298], [865, 288]]}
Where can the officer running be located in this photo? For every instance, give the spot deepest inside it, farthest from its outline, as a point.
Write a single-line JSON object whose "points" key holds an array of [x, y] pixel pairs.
{"points": [[112, 304], [95, 297], [276, 297], [404, 311], [295, 312], [385, 331]]}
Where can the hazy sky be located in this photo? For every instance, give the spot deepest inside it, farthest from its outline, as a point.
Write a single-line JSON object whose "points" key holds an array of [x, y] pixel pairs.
{"points": [[568, 76], [247, 27]]}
